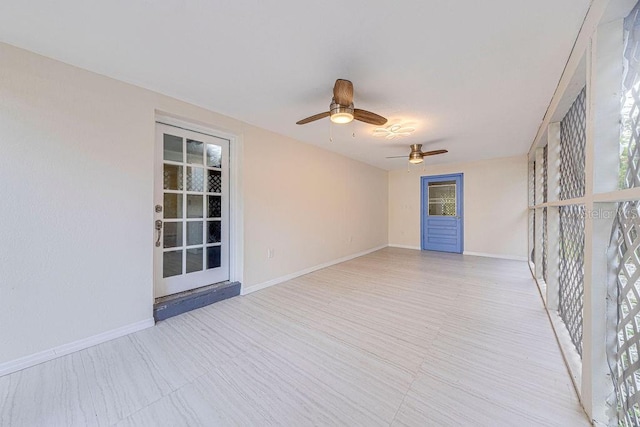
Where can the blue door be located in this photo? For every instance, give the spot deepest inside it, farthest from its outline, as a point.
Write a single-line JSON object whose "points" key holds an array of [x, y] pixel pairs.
{"points": [[442, 214]]}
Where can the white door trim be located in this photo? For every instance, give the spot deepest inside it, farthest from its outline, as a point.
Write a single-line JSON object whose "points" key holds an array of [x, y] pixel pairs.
{"points": [[236, 214]]}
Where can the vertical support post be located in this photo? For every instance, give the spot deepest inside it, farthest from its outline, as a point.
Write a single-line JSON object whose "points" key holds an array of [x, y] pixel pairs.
{"points": [[604, 77], [553, 216], [538, 214]]}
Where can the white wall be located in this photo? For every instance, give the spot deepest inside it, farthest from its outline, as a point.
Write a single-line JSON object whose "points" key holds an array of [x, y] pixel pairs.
{"points": [[76, 222], [308, 204], [495, 205]]}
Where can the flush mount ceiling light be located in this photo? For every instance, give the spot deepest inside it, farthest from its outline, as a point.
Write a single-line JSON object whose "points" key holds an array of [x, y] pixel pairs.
{"points": [[393, 131], [341, 114]]}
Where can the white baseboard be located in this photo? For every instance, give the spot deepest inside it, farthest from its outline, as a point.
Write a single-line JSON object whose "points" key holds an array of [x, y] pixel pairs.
{"points": [[511, 257], [53, 353], [417, 248], [281, 279]]}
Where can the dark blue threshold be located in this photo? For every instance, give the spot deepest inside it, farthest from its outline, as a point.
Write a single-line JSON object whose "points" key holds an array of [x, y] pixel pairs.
{"points": [[173, 305]]}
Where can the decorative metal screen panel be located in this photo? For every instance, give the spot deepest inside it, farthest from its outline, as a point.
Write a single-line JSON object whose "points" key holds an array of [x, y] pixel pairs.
{"points": [[623, 311], [625, 293], [544, 213], [532, 222], [571, 282], [572, 143], [630, 132], [544, 174], [544, 244], [532, 184], [532, 201]]}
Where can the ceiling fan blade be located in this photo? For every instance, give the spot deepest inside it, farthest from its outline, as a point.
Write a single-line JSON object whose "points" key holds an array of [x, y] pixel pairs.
{"points": [[433, 153], [313, 118], [368, 117], [398, 157], [343, 92]]}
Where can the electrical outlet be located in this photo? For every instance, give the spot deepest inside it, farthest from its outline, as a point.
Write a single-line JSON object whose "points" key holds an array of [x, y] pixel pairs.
{"points": [[270, 253]]}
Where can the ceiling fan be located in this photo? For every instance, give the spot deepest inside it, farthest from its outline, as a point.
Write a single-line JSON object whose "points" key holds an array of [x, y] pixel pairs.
{"points": [[341, 109], [417, 155]]}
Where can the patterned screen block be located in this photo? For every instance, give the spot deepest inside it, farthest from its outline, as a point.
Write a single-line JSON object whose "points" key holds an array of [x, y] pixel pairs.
{"points": [[532, 184], [544, 244], [172, 177], [442, 199], [624, 361], [571, 281], [532, 224], [624, 288], [630, 117], [214, 181], [214, 209], [544, 174], [195, 179], [532, 198], [572, 143]]}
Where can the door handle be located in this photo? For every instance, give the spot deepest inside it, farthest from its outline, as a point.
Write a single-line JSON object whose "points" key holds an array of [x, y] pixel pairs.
{"points": [[159, 230]]}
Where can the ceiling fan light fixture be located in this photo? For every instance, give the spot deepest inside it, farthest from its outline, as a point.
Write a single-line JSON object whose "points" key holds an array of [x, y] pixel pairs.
{"points": [[415, 157], [341, 118], [342, 110], [341, 114]]}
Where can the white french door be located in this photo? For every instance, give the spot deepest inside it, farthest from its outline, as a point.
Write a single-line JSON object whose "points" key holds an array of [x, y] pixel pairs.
{"points": [[191, 197]]}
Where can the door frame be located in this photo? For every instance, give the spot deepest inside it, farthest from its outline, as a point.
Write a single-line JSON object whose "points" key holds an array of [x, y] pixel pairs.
{"points": [[424, 180], [236, 214]]}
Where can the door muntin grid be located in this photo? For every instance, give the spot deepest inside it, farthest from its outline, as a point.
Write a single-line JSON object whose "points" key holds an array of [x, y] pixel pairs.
{"points": [[572, 149], [192, 205], [571, 283], [193, 193]]}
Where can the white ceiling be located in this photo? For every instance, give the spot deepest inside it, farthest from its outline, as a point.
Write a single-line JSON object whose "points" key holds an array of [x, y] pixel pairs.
{"points": [[474, 77]]}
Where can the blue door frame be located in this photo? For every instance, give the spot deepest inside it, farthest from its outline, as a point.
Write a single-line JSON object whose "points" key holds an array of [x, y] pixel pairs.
{"points": [[438, 232]]}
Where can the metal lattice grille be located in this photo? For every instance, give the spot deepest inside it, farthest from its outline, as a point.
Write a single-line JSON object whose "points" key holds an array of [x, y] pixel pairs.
{"points": [[623, 311], [544, 174], [572, 270], [532, 223], [630, 117], [544, 213], [533, 185], [625, 367], [532, 201], [544, 244], [572, 143]]}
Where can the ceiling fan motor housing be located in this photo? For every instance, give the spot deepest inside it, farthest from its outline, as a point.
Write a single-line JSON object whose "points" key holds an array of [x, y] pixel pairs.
{"points": [[416, 153]]}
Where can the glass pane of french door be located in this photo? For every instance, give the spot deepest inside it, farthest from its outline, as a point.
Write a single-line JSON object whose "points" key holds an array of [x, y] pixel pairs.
{"points": [[192, 192]]}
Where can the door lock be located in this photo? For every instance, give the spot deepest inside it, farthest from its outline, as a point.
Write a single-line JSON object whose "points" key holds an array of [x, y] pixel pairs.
{"points": [[159, 230]]}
